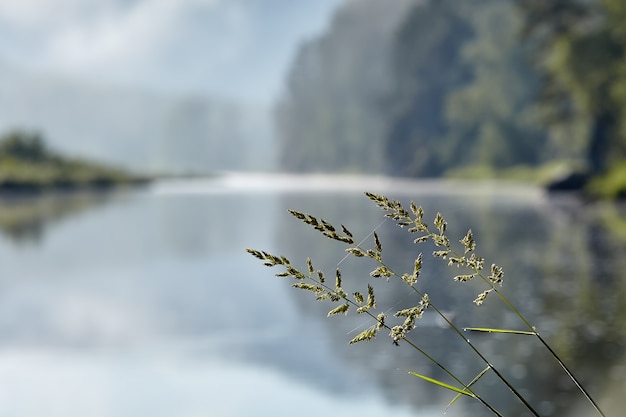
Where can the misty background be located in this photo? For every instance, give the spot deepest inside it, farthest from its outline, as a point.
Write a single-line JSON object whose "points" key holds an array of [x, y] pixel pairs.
{"points": [[408, 88], [153, 85]]}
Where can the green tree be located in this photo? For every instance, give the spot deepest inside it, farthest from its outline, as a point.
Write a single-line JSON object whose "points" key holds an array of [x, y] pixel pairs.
{"points": [[491, 119], [466, 91], [581, 51], [23, 146], [428, 65]]}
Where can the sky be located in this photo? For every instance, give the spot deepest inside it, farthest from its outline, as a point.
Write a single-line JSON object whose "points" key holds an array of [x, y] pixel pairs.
{"points": [[237, 49]]}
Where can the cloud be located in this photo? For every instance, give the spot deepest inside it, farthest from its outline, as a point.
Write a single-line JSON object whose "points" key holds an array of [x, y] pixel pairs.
{"points": [[32, 13], [230, 47], [107, 36]]}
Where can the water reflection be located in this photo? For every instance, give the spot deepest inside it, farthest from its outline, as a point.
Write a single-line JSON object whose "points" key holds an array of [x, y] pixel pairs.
{"points": [[25, 218], [150, 306]]}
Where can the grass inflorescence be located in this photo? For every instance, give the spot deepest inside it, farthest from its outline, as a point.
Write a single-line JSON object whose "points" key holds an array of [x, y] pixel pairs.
{"points": [[461, 256]]}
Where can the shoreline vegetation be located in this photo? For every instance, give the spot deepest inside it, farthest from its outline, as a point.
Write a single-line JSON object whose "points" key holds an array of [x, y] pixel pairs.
{"points": [[556, 177], [28, 166]]}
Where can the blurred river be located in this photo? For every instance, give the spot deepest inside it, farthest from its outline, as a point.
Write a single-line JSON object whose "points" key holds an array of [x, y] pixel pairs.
{"points": [[144, 302]]}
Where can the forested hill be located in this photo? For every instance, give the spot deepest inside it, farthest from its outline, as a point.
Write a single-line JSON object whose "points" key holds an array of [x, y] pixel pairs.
{"points": [[420, 88]]}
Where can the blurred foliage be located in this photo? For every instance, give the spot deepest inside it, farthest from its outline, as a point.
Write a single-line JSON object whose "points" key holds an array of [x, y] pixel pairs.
{"points": [[434, 86], [540, 175], [496, 102], [428, 66], [581, 53], [26, 164], [23, 146], [609, 185], [328, 117]]}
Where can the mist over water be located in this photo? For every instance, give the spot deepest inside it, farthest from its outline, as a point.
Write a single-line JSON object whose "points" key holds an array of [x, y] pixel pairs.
{"points": [[146, 303], [162, 86]]}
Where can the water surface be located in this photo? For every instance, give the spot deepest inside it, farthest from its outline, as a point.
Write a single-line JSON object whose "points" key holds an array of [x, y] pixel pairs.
{"points": [[145, 303]]}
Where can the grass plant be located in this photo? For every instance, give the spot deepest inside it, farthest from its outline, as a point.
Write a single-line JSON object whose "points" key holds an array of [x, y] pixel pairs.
{"points": [[461, 256]]}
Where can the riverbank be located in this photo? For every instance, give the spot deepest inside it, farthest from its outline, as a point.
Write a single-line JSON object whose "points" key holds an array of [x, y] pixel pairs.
{"points": [[21, 177], [28, 166], [556, 177]]}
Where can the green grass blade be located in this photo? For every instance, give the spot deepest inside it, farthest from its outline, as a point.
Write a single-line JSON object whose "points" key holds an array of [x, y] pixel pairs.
{"points": [[475, 380], [489, 330], [571, 376], [443, 384]]}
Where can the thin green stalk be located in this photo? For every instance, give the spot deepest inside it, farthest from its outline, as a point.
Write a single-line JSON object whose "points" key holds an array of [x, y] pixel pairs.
{"points": [[488, 363], [466, 387], [471, 345], [571, 375], [534, 331]]}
